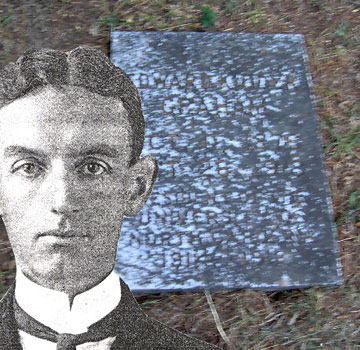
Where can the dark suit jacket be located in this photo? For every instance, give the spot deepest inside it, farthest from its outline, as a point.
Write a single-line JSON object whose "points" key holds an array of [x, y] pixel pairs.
{"points": [[137, 331]]}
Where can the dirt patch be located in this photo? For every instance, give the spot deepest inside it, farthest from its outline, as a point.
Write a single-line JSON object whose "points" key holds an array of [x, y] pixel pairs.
{"points": [[326, 318]]}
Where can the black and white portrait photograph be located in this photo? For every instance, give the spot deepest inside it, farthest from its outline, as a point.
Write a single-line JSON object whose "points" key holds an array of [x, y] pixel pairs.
{"points": [[179, 175]]}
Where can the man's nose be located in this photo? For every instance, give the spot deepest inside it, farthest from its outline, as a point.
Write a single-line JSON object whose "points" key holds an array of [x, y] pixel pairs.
{"points": [[61, 190]]}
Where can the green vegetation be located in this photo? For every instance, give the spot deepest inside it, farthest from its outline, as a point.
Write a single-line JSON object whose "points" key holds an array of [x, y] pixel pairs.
{"points": [[320, 5], [354, 205], [5, 20], [148, 303], [208, 17], [110, 22], [346, 143], [230, 7], [257, 16], [305, 319]]}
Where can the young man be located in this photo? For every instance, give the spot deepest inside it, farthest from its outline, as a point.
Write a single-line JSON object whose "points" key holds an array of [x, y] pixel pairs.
{"points": [[72, 132]]}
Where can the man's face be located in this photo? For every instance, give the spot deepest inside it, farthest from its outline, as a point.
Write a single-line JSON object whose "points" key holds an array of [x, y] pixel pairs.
{"points": [[64, 181]]}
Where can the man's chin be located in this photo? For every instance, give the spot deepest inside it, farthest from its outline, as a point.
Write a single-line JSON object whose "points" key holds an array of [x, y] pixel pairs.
{"points": [[63, 276], [52, 267]]}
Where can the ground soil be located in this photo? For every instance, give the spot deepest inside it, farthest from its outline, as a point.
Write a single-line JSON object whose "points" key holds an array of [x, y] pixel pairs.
{"points": [[326, 318]]}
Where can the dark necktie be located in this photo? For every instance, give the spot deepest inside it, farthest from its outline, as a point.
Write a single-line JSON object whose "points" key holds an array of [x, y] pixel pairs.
{"points": [[97, 331]]}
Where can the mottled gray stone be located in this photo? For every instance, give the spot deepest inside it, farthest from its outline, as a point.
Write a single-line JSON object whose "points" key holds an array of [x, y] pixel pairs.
{"points": [[241, 199]]}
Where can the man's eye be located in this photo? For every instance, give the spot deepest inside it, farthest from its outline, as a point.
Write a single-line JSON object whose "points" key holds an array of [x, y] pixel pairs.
{"points": [[28, 169], [94, 169]]}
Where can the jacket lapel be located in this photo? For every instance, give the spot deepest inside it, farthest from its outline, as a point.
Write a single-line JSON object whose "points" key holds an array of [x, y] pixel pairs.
{"points": [[9, 336]]}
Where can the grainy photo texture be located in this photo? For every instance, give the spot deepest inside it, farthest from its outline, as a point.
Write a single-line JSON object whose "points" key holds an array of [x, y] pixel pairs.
{"points": [[72, 132]]}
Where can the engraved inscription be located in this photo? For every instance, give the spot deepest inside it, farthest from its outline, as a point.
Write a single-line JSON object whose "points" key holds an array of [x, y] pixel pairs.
{"points": [[241, 196]]}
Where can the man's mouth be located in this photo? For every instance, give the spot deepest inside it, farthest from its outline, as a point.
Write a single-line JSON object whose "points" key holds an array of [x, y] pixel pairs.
{"points": [[61, 234]]}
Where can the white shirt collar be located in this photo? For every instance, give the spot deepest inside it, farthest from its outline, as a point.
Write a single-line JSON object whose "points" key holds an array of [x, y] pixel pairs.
{"points": [[52, 308]]}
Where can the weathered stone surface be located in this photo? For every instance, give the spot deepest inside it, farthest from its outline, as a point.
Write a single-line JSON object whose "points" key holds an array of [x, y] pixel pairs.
{"points": [[242, 198]]}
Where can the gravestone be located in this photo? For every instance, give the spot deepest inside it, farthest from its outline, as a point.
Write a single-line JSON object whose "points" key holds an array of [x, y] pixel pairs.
{"points": [[242, 199]]}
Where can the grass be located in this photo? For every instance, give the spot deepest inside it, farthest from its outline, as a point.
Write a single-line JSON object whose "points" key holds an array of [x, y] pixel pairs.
{"points": [[5, 20], [257, 16], [208, 17], [354, 206], [110, 21], [314, 318], [230, 7], [326, 318], [320, 5], [346, 144], [147, 303], [342, 33]]}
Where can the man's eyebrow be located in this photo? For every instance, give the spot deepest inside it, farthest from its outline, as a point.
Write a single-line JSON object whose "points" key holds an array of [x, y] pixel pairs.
{"points": [[16, 150], [101, 149]]}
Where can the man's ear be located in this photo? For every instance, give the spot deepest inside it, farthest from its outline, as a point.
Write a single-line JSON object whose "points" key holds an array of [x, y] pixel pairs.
{"points": [[142, 179]]}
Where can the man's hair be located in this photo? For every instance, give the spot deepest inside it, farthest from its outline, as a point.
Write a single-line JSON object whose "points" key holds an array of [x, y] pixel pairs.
{"points": [[84, 67]]}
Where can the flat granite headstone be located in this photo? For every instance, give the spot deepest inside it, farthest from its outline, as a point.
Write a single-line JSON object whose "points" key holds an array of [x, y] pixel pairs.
{"points": [[242, 199]]}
